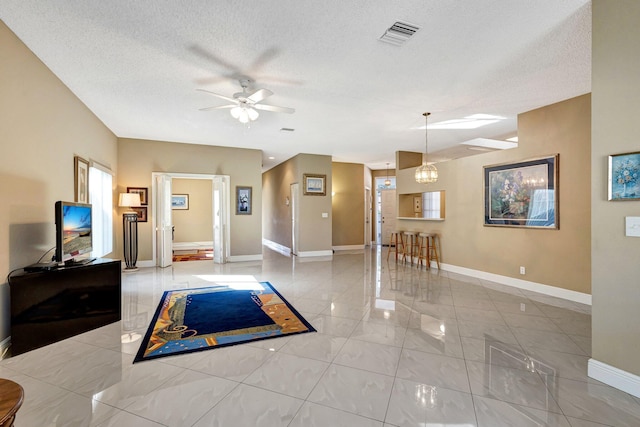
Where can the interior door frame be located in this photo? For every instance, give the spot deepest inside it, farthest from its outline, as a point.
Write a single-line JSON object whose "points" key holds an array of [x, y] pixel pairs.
{"points": [[294, 195], [224, 182]]}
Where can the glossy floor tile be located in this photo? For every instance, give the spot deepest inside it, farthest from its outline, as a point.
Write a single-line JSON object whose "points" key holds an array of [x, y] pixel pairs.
{"points": [[395, 346]]}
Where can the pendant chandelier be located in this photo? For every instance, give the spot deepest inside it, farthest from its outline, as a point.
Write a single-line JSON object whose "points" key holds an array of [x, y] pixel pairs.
{"points": [[387, 182], [426, 174]]}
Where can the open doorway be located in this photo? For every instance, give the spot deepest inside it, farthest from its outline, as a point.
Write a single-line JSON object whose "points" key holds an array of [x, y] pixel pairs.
{"points": [[190, 217]]}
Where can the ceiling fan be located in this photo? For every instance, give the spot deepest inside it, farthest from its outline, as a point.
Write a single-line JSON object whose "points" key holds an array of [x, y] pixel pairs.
{"points": [[244, 104]]}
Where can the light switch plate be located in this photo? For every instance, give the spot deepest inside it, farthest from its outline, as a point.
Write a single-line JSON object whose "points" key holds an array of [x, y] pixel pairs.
{"points": [[632, 226], [325, 215]]}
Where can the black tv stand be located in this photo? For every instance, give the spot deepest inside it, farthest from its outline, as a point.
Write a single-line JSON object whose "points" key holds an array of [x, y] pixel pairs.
{"points": [[75, 262], [50, 305]]}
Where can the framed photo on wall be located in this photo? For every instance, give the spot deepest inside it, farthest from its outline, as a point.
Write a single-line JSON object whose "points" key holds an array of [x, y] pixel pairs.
{"points": [[523, 194], [141, 211], [180, 202], [314, 185], [243, 200], [624, 176], [81, 179], [143, 192]]}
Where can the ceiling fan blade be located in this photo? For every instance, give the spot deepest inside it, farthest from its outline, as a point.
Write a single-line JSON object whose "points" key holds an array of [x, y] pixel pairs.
{"points": [[221, 107], [259, 95], [226, 98], [274, 108]]}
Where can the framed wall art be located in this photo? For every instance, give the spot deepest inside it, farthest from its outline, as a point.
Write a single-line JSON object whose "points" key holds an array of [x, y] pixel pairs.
{"points": [[180, 202], [624, 176], [314, 185], [143, 192], [243, 200], [141, 211], [523, 194], [81, 179]]}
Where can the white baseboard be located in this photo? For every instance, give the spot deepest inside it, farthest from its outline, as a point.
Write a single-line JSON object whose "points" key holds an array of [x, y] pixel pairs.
{"points": [[521, 284], [348, 247], [144, 264], [277, 247], [622, 380], [308, 254], [4, 346], [242, 258]]}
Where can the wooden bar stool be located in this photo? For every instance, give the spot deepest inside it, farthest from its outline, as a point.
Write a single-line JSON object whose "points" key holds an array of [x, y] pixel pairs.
{"points": [[11, 397], [409, 246], [396, 240], [433, 251], [423, 249]]}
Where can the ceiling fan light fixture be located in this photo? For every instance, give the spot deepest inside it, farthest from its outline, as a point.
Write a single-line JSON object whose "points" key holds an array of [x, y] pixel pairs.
{"points": [[426, 174], [235, 112], [253, 114]]}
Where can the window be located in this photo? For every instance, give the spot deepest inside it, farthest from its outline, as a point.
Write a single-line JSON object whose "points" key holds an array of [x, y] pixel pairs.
{"points": [[101, 199]]}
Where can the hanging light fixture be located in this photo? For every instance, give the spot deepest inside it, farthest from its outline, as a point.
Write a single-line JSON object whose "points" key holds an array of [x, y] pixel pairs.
{"points": [[426, 174], [387, 182], [243, 113]]}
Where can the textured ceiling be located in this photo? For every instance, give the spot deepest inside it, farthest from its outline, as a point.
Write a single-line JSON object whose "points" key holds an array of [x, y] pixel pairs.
{"points": [[137, 65]]}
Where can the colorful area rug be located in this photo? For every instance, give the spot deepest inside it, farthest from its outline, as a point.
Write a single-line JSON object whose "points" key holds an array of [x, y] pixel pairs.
{"points": [[192, 320]]}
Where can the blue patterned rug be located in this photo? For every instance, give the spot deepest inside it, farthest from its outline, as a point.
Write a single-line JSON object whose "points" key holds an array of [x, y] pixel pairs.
{"points": [[192, 320]]}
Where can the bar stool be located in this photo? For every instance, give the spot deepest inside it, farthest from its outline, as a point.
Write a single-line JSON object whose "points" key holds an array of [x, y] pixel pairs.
{"points": [[433, 251], [396, 240], [423, 249], [409, 246]]}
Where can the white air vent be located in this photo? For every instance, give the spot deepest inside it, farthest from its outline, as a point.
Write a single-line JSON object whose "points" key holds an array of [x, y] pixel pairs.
{"points": [[399, 33]]}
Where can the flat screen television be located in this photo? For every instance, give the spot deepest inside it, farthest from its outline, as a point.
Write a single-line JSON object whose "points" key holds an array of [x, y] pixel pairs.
{"points": [[73, 231]]}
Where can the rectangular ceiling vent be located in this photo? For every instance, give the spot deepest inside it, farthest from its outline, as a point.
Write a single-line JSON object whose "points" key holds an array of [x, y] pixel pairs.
{"points": [[399, 33]]}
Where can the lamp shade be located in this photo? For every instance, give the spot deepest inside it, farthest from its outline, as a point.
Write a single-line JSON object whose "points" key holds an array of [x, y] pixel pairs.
{"points": [[128, 200]]}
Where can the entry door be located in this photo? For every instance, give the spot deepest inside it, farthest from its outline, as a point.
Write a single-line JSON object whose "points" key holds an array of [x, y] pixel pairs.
{"points": [[295, 216], [164, 223], [388, 208]]}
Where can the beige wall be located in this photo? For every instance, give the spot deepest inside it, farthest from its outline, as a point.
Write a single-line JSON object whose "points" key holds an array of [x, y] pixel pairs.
{"points": [[616, 258], [559, 258], [196, 223], [315, 231], [348, 204], [137, 159], [42, 126]]}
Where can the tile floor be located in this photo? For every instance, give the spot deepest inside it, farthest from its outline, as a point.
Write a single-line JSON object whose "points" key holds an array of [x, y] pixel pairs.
{"points": [[396, 346]]}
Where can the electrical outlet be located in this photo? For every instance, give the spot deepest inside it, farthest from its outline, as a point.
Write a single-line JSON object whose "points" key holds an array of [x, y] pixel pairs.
{"points": [[522, 270]]}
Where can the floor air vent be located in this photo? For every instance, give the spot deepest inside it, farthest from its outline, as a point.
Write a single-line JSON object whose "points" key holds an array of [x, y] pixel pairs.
{"points": [[399, 33]]}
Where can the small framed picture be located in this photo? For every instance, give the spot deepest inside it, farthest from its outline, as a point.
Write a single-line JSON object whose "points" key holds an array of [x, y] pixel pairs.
{"points": [[141, 211], [624, 176], [81, 179], [180, 202], [243, 200], [142, 191], [314, 185]]}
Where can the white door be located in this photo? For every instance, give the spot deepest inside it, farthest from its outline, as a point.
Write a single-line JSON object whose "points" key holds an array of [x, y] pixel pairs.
{"points": [[164, 224], [220, 219], [388, 219], [295, 214]]}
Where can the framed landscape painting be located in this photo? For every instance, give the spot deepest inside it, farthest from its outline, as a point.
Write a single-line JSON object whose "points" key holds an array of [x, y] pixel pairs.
{"points": [[314, 185], [624, 175], [180, 202], [523, 194]]}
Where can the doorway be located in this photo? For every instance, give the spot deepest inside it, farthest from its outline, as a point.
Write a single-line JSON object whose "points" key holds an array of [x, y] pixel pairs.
{"points": [[163, 222]]}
